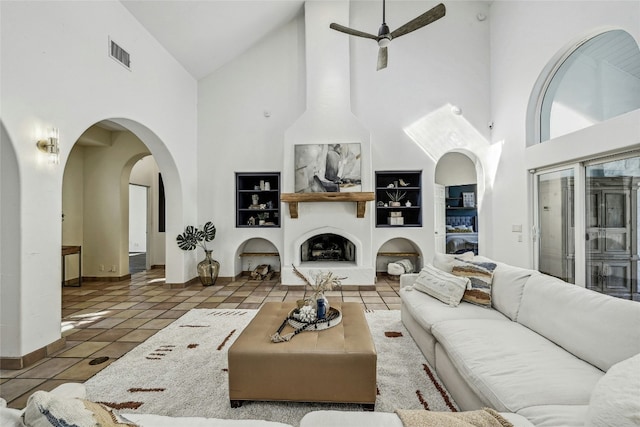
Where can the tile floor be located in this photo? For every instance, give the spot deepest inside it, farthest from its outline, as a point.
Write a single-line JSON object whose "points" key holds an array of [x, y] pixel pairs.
{"points": [[107, 319]]}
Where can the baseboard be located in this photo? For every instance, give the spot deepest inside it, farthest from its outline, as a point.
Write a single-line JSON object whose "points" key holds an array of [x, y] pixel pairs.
{"points": [[181, 285], [156, 266], [196, 281], [16, 363], [106, 278]]}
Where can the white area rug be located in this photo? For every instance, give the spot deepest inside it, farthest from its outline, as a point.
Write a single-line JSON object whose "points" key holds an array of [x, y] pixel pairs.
{"points": [[182, 371]]}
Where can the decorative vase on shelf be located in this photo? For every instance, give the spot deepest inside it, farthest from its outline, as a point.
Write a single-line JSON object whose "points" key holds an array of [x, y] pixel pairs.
{"points": [[208, 269]]}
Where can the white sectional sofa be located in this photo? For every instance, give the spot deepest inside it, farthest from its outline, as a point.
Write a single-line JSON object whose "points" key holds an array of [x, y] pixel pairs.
{"points": [[63, 402], [546, 354], [541, 351]]}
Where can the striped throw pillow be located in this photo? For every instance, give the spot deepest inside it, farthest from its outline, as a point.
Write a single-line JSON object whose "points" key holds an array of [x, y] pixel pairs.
{"points": [[480, 275]]}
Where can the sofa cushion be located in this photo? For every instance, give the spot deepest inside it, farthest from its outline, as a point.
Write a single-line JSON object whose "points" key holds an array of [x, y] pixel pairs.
{"points": [[480, 275], [444, 262], [149, 420], [10, 417], [595, 327], [441, 285], [507, 288], [45, 409], [556, 415], [351, 419], [428, 311], [615, 400], [512, 366]]}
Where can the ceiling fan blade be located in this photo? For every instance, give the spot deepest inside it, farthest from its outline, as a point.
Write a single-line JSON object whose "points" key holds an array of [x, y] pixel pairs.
{"points": [[351, 31], [383, 56], [426, 18]]}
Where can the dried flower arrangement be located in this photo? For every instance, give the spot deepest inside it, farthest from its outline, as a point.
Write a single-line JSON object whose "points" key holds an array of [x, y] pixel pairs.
{"points": [[323, 281]]}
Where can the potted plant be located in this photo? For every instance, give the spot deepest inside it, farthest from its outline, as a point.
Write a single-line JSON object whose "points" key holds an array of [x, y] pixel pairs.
{"points": [[395, 197], [192, 238], [262, 218]]}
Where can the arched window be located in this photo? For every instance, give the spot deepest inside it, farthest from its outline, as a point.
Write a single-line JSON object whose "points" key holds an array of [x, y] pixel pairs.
{"points": [[598, 80]]}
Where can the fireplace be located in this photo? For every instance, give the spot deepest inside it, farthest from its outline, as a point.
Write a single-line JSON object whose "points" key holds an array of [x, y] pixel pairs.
{"points": [[318, 235], [327, 247]]}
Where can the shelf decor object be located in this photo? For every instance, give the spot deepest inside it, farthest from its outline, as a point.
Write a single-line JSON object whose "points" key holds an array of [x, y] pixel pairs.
{"points": [[469, 200]]}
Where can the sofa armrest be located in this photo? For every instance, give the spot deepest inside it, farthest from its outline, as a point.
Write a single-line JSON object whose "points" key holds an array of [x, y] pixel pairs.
{"points": [[407, 279]]}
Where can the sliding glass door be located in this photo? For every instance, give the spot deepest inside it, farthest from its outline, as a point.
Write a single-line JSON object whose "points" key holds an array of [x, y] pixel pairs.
{"points": [[587, 224], [611, 221], [556, 225]]}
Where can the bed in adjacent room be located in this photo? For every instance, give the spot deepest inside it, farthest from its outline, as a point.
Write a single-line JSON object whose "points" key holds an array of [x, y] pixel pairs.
{"points": [[462, 235]]}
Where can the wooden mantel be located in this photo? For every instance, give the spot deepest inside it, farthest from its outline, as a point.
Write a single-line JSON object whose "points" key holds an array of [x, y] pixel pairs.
{"points": [[361, 200]]}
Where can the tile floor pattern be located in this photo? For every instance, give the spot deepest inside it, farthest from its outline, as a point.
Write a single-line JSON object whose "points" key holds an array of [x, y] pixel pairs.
{"points": [[107, 319]]}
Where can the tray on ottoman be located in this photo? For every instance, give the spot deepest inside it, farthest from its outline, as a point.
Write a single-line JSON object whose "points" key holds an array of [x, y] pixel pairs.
{"points": [[333, 365]]}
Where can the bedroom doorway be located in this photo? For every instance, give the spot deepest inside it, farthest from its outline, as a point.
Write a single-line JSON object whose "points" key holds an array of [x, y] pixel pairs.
{"points": [[457, 217]]}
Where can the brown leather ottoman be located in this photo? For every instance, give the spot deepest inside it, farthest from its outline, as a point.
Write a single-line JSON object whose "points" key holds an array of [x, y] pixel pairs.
{"points": [[334, 365]]}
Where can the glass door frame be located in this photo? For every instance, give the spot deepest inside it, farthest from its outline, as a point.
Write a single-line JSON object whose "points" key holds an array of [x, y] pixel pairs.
{"points": [[578, 217]]}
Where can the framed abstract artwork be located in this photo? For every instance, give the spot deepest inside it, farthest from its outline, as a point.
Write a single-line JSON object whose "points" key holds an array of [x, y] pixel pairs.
{"points": [[327, 168]]}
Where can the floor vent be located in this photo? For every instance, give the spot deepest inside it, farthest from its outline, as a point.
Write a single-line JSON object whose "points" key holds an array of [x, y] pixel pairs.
{"points": [[119, 54]]}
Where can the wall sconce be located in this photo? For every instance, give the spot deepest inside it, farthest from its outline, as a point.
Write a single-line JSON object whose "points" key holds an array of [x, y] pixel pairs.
{"points": [[49, 145]]}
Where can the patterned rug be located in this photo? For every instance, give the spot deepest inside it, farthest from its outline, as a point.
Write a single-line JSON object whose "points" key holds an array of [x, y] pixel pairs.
{"points": [[182, 371]]}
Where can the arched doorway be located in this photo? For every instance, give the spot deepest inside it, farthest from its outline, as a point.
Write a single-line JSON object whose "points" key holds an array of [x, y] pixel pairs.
{"points": [[456, 205], [126, 143]]}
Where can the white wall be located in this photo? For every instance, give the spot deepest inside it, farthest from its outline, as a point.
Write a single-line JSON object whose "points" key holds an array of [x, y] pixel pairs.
{"points": [[520, 51], [56, 72], [235, 136]]}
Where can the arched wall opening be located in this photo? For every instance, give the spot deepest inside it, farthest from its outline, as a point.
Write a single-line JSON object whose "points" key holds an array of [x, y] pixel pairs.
{"points": [[95, 202], [458, 205], [10, 259], [179, 265], [255, 252], [398, 249]]}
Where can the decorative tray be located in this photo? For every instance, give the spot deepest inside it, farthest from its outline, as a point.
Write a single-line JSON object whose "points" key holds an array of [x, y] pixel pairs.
{"points": [[333, 318]]}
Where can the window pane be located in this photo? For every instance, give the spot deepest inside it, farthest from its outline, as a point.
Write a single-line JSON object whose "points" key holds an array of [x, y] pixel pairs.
{"points": [[556, 223], [598, 81], [612, 190]]}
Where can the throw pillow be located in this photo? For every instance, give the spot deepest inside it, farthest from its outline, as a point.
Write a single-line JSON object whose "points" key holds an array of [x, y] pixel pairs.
{"points": [[441, 285], [46, 409], [614, 400], [480, 275], [444, 262]]}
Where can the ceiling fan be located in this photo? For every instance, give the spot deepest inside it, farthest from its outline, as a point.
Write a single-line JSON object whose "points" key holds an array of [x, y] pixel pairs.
{"points": [[385, 36]]}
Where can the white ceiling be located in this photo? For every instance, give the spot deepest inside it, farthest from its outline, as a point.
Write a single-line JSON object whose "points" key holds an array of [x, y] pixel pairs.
{"points": [[203, 35]]}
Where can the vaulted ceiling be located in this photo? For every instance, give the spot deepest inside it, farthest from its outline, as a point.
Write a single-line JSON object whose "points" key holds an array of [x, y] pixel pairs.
{"points": [[203, 35]]}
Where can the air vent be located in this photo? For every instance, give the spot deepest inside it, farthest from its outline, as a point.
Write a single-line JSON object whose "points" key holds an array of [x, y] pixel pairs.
{"points": [[119, 54]]}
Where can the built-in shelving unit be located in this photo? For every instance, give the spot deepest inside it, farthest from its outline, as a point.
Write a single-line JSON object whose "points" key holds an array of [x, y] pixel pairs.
{"points": [[403, 185], [257, 199], [461, 198]]}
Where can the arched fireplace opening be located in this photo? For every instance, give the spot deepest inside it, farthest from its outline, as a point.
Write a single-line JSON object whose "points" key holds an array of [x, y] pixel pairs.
{"points": [[328, 247]]}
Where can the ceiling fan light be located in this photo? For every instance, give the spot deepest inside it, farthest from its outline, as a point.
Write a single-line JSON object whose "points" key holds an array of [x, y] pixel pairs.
{"points": [[384, 41]]}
